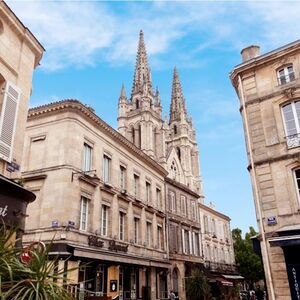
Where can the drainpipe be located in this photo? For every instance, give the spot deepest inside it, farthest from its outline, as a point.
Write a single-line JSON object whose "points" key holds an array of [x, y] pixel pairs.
{"points": [[257, 198]]}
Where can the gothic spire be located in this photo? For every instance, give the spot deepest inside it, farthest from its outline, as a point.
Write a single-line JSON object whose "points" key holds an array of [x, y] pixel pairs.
{"points": [[123, 96], [177, 108], [142, 73]]}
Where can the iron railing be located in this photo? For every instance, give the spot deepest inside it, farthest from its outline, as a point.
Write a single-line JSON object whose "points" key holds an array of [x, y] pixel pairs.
{"points": [[293, 140], [220, 267]]}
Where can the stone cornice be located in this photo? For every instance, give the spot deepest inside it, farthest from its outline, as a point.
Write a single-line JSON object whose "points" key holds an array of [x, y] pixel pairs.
{"points": [[22, 31], [211, 210], [88, 113]]}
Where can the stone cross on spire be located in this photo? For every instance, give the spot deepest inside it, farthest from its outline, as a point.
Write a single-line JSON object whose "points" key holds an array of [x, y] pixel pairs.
{"points": [[177, 108], [142, 74]]}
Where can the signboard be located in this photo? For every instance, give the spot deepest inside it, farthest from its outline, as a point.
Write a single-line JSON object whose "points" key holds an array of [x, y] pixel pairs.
{"points": [[113, 285], [12, 167], [271, 220], [95, 241], [115, 247]]}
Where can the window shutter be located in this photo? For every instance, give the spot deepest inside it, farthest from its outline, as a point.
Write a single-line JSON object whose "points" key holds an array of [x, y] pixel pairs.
{"points": [[8, 120], [191, 243], [183, 241]]}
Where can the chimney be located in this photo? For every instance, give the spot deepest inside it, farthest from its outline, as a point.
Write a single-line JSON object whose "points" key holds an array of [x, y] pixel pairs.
{"points": [[250, 52]]}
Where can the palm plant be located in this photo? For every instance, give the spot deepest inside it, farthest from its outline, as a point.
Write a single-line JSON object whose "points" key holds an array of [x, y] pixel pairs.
{"points": [[197, 286], [37, 280]]}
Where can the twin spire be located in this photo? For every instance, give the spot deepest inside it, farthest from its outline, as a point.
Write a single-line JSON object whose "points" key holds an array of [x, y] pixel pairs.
{"points": [[142, 83]]}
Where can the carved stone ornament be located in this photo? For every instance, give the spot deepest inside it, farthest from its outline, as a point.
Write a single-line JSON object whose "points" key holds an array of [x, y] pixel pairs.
{"points": [[289, 93]]}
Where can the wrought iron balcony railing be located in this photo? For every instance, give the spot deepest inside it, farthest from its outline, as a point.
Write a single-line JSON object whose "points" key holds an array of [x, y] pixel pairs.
{"points": [[293, 140]]}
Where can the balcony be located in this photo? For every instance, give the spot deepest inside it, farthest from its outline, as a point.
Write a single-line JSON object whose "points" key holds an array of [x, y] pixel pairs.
{"points": [[220, 267], [293, 140]]}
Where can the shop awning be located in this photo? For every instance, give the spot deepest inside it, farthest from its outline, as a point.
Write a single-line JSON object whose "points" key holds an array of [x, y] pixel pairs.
{"points": [[234, 277], [225, 282], [285, 241]]}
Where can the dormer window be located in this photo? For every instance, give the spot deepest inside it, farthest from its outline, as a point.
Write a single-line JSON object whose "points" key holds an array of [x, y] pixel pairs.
{"points": [[285, 74]]}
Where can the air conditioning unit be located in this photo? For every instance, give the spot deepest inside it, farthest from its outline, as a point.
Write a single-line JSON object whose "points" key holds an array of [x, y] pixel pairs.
{"points": [[71, 224], [124, 192], [55, 224]]}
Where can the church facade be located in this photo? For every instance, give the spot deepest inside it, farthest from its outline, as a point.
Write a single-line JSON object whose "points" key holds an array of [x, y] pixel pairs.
{"points": [[129, 202]]}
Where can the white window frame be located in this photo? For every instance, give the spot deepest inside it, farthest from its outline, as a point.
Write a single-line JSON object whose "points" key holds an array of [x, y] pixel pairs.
{"points": [[104, 221], [287, 75], [121, 226], [172, 202], [106, 168], [136, 185], [297, 186], [87, 157], [136, 230], [84, 215]]}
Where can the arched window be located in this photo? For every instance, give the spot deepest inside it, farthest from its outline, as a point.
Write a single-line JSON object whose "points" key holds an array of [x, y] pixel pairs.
{"points": [[137, 104], [133, 135], [175, 280], [140, 136]]}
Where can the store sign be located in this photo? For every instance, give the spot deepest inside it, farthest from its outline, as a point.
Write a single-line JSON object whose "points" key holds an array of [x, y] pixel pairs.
{"points": [[113, 285], [271, 220], [95, 241], [12, 167], [115, 247], [3, 211]]}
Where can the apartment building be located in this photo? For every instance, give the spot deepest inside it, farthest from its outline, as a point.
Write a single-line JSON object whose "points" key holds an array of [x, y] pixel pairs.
{"points": [[20, 54], [268, 89]]}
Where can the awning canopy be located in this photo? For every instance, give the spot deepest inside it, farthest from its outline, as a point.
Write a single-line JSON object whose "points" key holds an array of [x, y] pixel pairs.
{"points": [[225, 282], [285, 241], [234, 277]]}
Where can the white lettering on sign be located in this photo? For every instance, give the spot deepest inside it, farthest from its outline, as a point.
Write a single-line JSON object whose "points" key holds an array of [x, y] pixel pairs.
{"points": [[296, 285], [3, 211]]}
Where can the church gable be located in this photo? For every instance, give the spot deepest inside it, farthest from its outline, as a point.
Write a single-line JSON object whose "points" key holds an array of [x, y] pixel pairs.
{"points": [[174, 166]]}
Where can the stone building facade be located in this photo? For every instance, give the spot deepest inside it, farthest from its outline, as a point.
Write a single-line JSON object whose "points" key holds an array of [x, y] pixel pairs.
{"points": [[269, 91], [129, 202], [20, 54]]}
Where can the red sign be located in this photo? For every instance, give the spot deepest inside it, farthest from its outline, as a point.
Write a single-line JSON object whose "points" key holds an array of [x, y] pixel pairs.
{"points": [[25, 258]]}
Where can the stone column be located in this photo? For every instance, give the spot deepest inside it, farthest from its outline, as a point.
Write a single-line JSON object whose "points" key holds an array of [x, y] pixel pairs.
{"points": [[153, 282]]}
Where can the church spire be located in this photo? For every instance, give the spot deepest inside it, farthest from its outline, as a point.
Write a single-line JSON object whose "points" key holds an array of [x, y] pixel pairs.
{"points": [[142, 75], [177, 108]]}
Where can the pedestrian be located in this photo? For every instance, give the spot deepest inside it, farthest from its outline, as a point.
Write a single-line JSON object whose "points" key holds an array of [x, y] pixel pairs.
{"points": [[259, 294], [172, 295]]}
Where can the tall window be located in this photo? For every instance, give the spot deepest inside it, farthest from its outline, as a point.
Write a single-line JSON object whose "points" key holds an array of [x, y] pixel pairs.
{"points": [[193, 204], [213, 226], [84, 210], [183, 204], [104, 220], [121, 225], [148, 192], [87, 158], [149, 234], [186, 242], [106, 168], [136, 230], [136, 185], [286, 75], [122, 178], [158, 198], [159, 237], [205, 218], [172, 201], [196, 244], [291, 115], [297, 179]]}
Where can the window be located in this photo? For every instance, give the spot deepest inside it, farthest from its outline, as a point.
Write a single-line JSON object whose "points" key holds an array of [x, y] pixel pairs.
{"points": [[183, 205], [87, 157], [136, 184], [158, 198], [121, 225], [196, 244], [285, 75], [172, 201], [149, 234], [213, 227], [193, 204], [297, 179], [291, 115], [159, 237], [122, 178], [104, 220], [206, 224], [186, 242], [148, 192], [84, 210], [136, 230], [106, 168]]}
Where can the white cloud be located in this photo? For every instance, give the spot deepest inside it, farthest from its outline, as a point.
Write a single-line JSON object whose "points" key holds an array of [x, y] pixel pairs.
{"points": [[79, 33]]}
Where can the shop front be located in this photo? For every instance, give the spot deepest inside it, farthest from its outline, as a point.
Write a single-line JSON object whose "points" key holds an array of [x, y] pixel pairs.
{"points": [[13, 203]]}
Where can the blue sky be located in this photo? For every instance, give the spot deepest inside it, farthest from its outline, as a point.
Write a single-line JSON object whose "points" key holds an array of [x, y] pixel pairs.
{"points": [[91, 48]]}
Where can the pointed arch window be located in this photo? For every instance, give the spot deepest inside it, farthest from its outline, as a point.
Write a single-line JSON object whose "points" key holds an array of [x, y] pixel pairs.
{"points": [[175, 129], [178, 153], [137, 104]]}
